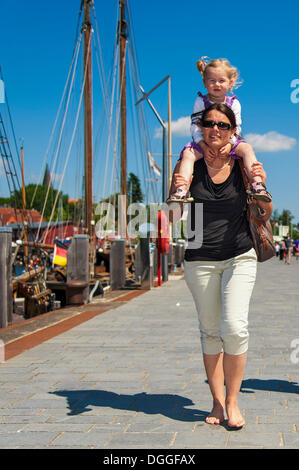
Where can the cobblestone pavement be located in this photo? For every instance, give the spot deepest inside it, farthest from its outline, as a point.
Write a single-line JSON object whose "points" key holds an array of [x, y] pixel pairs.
{"points": [[132, 377]]}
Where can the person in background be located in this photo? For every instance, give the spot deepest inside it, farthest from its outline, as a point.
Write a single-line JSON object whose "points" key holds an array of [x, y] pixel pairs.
{"points": [[277, 249], [288, 243], [282, 249]]}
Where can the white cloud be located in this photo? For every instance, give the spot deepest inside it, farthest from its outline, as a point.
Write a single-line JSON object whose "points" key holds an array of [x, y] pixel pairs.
{"points": [[270, 142], [179, 128]]}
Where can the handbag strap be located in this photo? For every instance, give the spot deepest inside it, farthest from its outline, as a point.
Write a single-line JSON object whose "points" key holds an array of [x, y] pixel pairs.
{"points": [[257, 222], [246, 181], [245, 177]]}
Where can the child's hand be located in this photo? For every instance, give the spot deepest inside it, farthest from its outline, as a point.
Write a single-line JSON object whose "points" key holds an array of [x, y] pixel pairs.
{"points": [[224, 151], [207, 151], [210, 154], [258, 170]]}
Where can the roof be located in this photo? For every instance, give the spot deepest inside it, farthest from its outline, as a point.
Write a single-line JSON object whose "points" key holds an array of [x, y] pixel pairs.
{"points": [[8, 215]]}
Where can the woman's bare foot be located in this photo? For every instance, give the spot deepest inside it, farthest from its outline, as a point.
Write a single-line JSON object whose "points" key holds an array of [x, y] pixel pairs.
{"points": [[235, 418], [217, 414]]}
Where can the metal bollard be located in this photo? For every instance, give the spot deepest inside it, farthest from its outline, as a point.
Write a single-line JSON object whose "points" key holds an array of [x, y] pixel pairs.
{"points": [[118, 264], [78, 270], [6, 297]]}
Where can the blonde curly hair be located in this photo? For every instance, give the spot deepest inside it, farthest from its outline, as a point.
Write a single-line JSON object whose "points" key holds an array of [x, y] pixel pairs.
{"points": [[230, 70]]}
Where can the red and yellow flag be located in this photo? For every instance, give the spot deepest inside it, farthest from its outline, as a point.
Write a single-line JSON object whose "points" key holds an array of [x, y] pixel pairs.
{"points": [[60, 254]]}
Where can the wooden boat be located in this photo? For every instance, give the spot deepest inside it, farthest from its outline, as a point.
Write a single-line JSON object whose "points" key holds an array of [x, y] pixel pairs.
{"points": [[38, 284]]}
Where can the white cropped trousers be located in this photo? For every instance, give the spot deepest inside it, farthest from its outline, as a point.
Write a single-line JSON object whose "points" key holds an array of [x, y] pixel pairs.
{"points": [[222, 292]]}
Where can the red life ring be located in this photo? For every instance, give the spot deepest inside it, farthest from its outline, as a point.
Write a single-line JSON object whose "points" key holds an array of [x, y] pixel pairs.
{"points": [[163, 233]]}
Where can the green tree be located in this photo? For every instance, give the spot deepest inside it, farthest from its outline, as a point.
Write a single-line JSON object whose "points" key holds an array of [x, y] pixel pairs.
{"points": [[295, 234], [134, 192], [283, 218], [5, 201], [35, 199], [275, 216], [286, 217]]}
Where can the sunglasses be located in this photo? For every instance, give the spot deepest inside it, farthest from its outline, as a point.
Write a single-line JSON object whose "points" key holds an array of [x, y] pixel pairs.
{"points": [[224, 126]]}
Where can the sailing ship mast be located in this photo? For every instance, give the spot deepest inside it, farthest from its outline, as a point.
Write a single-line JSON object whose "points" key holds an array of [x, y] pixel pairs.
{"points": [[122, 31], [24, 206], [88, 131], [88, 150]]}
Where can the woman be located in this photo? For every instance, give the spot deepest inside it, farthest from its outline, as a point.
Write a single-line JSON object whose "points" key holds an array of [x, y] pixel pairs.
{"points": [[288, 243], [221, 272]]}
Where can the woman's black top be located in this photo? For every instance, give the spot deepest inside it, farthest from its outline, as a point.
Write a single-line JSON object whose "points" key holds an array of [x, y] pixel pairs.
{"points": [[224, 225]]}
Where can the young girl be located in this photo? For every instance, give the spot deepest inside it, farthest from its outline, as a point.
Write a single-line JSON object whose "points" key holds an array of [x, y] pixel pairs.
{"points": [[219, 78]]}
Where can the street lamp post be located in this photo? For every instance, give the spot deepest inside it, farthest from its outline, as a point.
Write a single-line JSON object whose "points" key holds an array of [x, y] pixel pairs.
{"points": [[164, 167]]}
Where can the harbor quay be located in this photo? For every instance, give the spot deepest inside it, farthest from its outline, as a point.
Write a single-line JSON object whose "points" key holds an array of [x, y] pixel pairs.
{"points": [[126, 372]]}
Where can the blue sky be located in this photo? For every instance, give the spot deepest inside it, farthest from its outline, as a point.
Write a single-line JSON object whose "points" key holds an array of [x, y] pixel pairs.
{"points": [[261, 40]]}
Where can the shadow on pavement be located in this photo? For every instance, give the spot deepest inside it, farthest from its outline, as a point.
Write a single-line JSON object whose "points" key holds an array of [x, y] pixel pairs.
{"points": [[169, 405], [271, 385], [172, 406]]}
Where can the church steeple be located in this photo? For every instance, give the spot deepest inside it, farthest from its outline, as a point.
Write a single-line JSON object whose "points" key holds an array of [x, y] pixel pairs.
{"points": [[47, 177]]}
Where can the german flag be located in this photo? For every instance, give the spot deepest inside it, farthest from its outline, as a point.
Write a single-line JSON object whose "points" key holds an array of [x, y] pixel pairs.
{"points": [[60, 253]]}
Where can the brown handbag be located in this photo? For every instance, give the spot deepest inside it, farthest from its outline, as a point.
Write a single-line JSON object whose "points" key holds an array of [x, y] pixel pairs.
{"points": [[261, 229]]}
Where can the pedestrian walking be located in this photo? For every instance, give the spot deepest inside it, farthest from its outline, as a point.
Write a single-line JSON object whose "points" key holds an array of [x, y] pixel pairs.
{"points": [[221, 272], [282, 250], [288, 243], [277, 249]]}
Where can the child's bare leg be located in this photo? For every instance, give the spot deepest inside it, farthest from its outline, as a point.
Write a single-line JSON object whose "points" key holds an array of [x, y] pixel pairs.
{"points": [[257, 187], [246, 152], [179, 192], [187, 164]]}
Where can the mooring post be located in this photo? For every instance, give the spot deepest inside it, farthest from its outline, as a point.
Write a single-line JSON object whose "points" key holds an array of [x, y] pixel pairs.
{"points": [[78, 270], [6, 298], [117, 264], [146, 259]]}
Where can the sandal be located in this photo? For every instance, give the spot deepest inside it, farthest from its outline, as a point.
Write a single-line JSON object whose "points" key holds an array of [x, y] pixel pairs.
{"points": [[180, 195], [258, 191]]}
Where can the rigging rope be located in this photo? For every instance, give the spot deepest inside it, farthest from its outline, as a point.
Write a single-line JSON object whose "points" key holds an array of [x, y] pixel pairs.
{"points": [[101, 65], [11, 123], [60, 135], [140, 110], [110, 122], [55, 124], [141, 136], [71, 143]]}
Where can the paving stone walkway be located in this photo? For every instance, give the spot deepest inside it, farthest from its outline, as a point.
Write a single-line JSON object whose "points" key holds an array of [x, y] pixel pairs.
{"points": [[132, 377]]}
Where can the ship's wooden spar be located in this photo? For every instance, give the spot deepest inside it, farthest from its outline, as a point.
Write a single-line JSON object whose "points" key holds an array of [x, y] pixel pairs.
{"points": [[123, 112], [88, 150]]}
